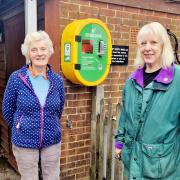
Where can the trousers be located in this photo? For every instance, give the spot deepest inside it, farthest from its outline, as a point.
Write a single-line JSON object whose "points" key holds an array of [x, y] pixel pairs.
{"points": [[27, 161]]}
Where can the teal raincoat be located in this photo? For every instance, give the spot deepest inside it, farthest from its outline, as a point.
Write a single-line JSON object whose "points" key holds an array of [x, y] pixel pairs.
{"points": [[149, 127]]}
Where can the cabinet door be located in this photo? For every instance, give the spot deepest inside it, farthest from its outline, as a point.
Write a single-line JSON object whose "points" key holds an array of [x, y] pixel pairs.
{"points": [[14, 28]]}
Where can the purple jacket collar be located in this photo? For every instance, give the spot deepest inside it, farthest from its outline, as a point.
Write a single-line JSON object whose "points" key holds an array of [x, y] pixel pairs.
{"points": [[165, 76]]}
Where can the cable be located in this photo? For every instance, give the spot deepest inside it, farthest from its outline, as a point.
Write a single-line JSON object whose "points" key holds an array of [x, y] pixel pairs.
{"points": [[172, 35]]}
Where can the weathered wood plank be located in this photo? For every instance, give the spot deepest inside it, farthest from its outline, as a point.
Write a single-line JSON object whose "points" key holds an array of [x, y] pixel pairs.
{"points": [[97, 95], [101, 141], [110, 142]]}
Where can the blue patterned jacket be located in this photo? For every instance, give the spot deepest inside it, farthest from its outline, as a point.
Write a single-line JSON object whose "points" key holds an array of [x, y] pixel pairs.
{"points": [[33, 125]]}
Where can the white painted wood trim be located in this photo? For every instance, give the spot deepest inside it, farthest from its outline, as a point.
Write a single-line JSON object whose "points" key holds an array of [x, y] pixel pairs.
{"points": [[30, 15]]}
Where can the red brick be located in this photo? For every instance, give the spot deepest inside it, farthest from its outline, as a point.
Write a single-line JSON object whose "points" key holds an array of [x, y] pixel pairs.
{"points": [[107, 12], [75, 158], [98, 4], [78, 144], [69, 6], [84, 96], [91, 10]]}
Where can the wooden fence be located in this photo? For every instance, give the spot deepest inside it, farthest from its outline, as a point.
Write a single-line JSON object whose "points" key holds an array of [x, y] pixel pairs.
{"points": [[105, 166]]}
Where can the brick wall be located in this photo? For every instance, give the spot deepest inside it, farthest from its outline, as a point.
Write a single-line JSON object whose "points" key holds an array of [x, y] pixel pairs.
{"points": [[123, 23]]}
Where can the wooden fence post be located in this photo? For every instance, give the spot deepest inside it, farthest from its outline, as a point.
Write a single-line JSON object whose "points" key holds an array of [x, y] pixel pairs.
{"points": [[110, 142], [101, 142], [103, 163], [97, 95], [118, 164]]}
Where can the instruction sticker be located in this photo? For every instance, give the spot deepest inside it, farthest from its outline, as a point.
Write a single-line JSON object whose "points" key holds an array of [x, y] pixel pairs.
{"points": [[67, 52]]}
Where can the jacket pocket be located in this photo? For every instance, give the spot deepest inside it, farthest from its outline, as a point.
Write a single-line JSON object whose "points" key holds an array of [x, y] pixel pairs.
{"points": [[158, 160]]}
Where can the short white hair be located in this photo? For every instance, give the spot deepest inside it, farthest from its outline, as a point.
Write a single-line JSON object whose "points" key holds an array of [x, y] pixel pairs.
{"points": [[33, 37], [155, 28]]}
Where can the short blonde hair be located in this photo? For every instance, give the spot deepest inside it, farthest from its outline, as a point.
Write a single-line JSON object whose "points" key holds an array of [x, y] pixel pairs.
{"points": [[36, 36], [158, 30]]}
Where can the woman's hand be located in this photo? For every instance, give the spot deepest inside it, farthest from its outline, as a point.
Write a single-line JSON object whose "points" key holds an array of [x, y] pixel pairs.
{"points": [[118, 153]]}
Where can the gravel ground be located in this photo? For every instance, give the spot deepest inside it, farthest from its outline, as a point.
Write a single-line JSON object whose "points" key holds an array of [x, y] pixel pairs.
{"points": [[6, 171]]}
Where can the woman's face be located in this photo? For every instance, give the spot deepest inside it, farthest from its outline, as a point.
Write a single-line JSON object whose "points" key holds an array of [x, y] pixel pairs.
{"points": [[151, 50], [39, 54]]}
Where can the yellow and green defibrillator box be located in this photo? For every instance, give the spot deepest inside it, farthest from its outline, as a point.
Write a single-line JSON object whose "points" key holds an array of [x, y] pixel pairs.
{"points": [[86, 52]]}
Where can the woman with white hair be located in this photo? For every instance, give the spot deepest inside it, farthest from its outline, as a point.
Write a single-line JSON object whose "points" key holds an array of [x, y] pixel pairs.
{"points": [[148, 136], [32, 107]]}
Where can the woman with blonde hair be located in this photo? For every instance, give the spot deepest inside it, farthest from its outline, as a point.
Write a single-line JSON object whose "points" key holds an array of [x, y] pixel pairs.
{"points": [[148, 136], [32, 107]]}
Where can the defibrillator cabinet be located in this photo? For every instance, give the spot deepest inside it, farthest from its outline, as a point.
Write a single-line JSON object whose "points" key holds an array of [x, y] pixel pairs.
{"points": [[86, 52]]}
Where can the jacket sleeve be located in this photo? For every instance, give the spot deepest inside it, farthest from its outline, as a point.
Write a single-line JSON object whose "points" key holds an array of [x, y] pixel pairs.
{"points": [[119, 138], [62, 97], [9, 100]]}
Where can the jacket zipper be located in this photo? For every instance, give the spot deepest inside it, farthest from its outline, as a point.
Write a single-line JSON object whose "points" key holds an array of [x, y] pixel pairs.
{"points": [[18, 125], [41, 126], [41, 107], [42, 114]]}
